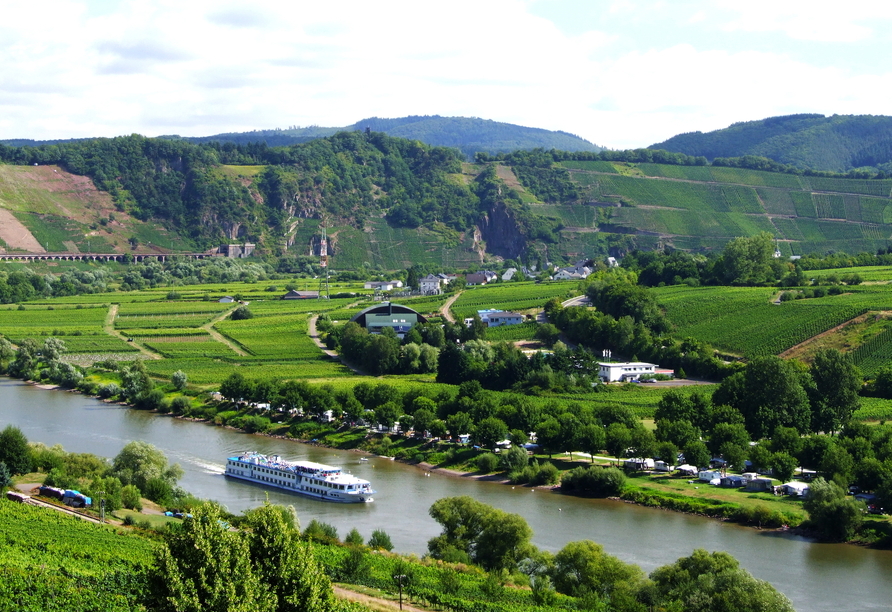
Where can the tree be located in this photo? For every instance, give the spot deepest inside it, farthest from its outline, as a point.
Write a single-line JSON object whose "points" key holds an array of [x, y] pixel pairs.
{"points": [[284, 564], [136, 382], [412, 276], [354, 538], [205, 567], [618, 440], [459, 423], [139, 463], [25, 361], [836, 516], [52, 349], [714, 582], [179, 380], [323, 532], [748, 260], [423, 420], [5, 477], [514, 458], [696, 454], [768, 393], [14, 450], [592, 439], [131, 497], [583, 567], [783, 466], [837, 383], [490, 431], [380, 540], [493, 538], [241, 313]]}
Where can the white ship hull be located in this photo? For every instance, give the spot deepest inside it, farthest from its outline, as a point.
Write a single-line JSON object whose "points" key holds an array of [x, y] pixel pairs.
{"points": [[318, 481]]}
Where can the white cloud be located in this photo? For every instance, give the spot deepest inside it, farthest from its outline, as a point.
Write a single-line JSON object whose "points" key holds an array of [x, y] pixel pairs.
{"points": [[72, 69], [811, 20]]}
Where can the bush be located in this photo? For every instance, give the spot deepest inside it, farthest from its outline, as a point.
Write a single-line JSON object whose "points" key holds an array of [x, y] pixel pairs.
{"points": [[595, 480], [548, 475], [180, 404], [321, 532], [487, 463], [241, 313], [380, 540], [131, 497]]}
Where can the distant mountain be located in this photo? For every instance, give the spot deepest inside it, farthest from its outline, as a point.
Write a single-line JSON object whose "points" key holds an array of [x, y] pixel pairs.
{"points": [[838, 143], [470, 135]]}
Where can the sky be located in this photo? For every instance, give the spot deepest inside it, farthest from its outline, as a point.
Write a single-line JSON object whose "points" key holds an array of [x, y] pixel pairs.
{"points": [[619, 73]]}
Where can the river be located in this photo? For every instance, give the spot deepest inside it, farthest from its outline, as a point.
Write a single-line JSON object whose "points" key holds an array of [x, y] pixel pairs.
{"points": [[814, 576]]}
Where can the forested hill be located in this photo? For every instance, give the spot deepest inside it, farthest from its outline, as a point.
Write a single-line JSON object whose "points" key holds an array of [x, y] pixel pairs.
{"points": [[838, 143], [469, 135], [217, 192]]}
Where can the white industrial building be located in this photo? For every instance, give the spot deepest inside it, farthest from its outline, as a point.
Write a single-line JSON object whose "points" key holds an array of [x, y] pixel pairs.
{"points": [[624, 371]]}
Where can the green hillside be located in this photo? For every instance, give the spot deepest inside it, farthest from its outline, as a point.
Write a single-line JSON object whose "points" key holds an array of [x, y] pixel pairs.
{"points": [[649, 205], [391, 202], [838, 143]]}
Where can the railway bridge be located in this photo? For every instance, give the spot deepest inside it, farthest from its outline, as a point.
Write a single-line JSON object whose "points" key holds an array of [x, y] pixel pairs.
{"points": [[122, 257]]}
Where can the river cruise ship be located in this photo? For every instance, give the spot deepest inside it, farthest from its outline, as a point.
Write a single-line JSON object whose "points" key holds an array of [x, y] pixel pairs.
{"points": [[301, 477]]}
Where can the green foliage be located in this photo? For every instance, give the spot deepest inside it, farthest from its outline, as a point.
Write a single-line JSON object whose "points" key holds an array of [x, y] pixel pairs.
{"points": [[141, 464], [323, 532], [490, 537], [241, 313], [836, 143], [581, 568], [836, 516], [14, 451], [714, 582], [380, 540], [594, 480], [487, 463]]}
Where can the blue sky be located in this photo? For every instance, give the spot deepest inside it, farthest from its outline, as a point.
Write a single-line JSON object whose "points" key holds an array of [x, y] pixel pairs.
{"points": [[619, 73]]}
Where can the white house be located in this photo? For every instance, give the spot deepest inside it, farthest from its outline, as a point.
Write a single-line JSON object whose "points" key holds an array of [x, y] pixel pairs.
{"points": [[497, 319], [383, 285], [430, 284], [623, 371]]}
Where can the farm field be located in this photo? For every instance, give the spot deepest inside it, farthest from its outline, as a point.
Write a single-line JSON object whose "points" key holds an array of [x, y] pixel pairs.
{"points": [[512, 296], [50, 557], [181, 333], [703, 207]]}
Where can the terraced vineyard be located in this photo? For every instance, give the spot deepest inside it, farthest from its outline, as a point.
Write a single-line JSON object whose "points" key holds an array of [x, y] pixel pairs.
{"points": [[744, 322], [703, 207]]}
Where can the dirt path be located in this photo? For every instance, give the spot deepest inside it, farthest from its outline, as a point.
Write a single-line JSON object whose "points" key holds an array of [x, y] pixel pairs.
{"points": [[375, 603], [209, 328], [109, 327], [796, 350], [447, 305], [16, 235]]}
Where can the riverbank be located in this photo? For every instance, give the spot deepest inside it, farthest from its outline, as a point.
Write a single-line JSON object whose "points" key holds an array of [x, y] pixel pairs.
{"points": [[655, 491]]}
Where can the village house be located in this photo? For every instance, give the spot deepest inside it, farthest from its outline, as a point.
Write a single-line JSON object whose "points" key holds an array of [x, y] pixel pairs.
{"points": [[430, 284], [625, 371], [294, 294]]}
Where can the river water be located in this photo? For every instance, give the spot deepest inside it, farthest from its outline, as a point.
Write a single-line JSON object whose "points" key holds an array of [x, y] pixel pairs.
{"points": [[814, 576]]}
